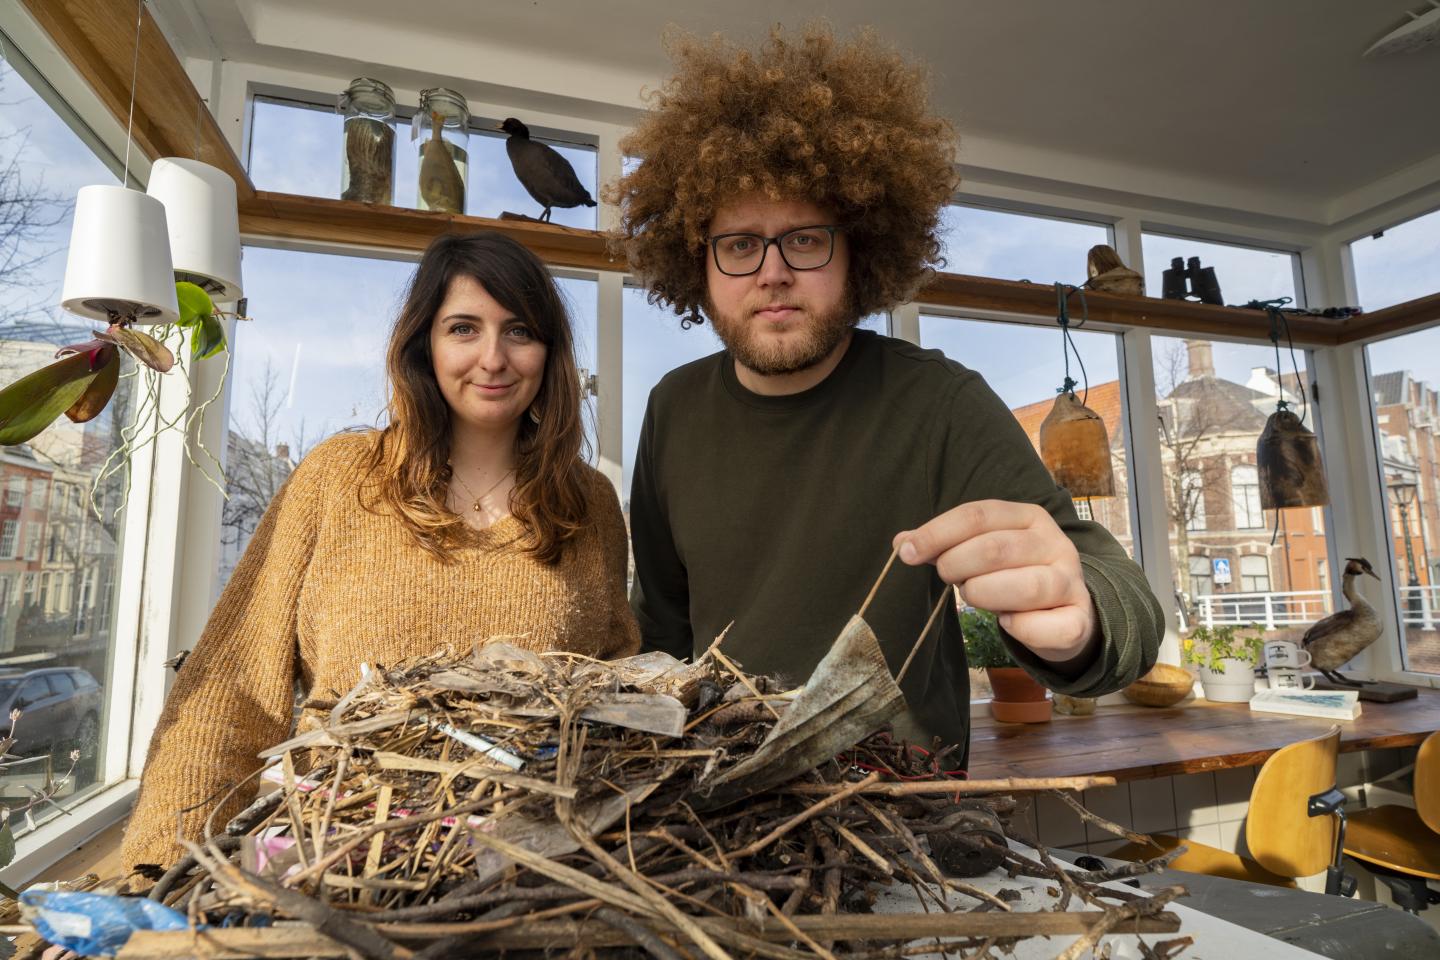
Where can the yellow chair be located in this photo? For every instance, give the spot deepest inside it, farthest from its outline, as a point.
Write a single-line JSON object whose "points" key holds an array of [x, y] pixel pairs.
{"points": [[1400, 845], [1289, 834]]}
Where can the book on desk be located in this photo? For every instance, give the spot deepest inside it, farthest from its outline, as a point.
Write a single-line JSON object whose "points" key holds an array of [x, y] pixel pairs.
{"points": [[1332, 704]]}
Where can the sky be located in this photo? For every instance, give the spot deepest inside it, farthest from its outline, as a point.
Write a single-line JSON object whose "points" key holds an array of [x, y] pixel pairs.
{"points": [[54, 160], [1401, 265]]}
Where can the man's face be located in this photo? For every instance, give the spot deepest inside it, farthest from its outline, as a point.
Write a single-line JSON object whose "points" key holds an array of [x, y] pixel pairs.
{"points": [[779, 320]]}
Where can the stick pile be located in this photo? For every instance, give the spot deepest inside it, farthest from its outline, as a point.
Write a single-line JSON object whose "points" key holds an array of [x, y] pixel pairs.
{"points": [[526, 802]]}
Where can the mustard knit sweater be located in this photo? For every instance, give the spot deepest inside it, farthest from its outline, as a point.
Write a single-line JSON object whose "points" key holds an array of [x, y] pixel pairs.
{"points": [[326, 585]]}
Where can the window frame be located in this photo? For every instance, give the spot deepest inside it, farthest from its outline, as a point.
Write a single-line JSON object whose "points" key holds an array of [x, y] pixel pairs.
{"points": [[1243, 494], [31, 53]]}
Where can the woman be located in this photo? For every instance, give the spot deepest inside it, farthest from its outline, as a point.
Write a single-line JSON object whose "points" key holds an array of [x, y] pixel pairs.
{"points": [[470, 516]]}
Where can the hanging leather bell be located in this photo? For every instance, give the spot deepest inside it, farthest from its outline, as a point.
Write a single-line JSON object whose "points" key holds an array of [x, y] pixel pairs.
{"points": [[1076, 448], [1289, 467]]}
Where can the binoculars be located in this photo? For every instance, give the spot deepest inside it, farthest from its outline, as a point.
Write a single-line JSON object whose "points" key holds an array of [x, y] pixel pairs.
{"points": [[1184, 281]]}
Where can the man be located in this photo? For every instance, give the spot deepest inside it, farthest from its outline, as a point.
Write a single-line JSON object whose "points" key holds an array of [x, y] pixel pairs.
{"points": [[786, 194]]}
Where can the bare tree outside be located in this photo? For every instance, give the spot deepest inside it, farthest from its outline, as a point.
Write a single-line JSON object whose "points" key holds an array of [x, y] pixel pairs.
{"points": [[259, 460], [1186, 425], [28, 212]]}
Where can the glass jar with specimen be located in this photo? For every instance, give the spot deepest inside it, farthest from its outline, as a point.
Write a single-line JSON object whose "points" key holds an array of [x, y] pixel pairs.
{"points": [[367, 171], [442, 126]]}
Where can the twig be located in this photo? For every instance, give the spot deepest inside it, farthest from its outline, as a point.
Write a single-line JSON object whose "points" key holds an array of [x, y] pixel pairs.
{"points": [[957, 787], [806, 814], [325, 920], [1101, 822], [638, 932], [924, 632], [895, 552], [1115, 916]]}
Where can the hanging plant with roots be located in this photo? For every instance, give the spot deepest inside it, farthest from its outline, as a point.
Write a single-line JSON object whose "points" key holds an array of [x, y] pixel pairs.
{"points": [[84, 378]]}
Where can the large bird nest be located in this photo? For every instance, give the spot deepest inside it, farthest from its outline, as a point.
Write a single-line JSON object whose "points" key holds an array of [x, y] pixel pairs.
{"points": [[538, 802]]}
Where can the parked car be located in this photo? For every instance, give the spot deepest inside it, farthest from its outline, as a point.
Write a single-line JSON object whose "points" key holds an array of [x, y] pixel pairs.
{"points": [[60, 707]]}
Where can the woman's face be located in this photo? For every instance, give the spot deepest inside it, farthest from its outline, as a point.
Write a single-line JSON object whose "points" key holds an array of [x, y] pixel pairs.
{"points": [[488, 363]]}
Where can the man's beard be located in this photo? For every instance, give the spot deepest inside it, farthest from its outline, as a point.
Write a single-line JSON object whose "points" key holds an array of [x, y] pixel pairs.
{"points": [[821, 334]]}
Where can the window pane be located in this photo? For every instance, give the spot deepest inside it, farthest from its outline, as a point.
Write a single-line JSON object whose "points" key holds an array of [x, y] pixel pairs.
{"points": [[582, 300], [1398, 264], [1244, 273], [1015, 246], [297, 148], [879, 322], [1404, 375], [301, 375], [1023, 364], [45, 621], [1214, 399], [655, 344], [1245, 498]]}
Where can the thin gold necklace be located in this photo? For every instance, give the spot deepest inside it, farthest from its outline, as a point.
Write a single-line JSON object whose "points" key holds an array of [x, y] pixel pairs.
{"points": [[476, 505]]}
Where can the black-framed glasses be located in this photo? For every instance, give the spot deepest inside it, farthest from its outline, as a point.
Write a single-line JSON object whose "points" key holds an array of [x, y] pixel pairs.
{"points": [[804, 248]]}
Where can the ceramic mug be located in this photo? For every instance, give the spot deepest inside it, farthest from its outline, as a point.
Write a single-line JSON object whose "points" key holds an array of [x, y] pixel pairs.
{"points": [[1288, 678], [1283, 653]]}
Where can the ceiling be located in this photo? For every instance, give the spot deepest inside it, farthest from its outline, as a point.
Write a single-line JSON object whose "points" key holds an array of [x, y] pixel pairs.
{"points": [[1268, 100]]}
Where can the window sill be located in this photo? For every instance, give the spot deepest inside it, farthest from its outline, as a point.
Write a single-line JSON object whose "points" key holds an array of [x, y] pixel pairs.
{"points": [[44, 846]]}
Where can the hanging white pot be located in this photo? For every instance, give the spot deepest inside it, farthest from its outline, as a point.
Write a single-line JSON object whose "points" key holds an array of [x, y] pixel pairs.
{"points": [[119, 265], [204, 223]]}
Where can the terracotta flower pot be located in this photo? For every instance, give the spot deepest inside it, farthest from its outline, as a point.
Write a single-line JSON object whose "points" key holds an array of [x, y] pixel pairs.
{"points": [[1018, 698]]}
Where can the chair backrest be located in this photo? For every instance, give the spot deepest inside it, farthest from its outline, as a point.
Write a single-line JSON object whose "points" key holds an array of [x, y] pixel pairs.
{"points": [[1427, 782], [1279, 831]]}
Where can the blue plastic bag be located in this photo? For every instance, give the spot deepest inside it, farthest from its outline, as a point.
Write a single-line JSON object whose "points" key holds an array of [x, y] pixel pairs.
{"points": [[95, 924]]}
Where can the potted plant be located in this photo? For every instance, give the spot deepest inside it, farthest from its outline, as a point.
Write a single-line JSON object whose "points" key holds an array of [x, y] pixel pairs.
{"points": [[81, 383], [1018, 697], [1226, 660]]}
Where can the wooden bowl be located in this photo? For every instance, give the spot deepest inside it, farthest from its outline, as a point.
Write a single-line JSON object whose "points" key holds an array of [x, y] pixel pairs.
{"points": [[1164, 686]]}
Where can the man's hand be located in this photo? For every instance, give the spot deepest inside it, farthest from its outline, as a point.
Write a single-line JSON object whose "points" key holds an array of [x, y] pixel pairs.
{"points": [[1013, 560]]}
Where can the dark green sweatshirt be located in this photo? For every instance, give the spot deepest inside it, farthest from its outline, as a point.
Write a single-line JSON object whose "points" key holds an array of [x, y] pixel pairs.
{"points": [[778, 513]]}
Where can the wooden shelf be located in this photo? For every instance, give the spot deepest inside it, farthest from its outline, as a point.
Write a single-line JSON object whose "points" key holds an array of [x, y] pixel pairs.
{"points": [[282, 216], [1181, 317], [1412, 315], [171, 118], [317, 220]]}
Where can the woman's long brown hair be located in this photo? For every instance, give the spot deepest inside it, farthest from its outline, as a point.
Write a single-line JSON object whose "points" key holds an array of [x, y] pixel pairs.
{"points": [[409, 472]]}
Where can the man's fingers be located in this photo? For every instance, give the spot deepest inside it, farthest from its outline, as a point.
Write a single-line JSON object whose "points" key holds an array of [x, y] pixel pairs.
{"points": [[992, 551], [1020, 588], [955, 526], [1051, 634]]}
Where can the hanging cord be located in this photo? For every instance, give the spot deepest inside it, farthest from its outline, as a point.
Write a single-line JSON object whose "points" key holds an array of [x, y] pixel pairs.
{"points": [[1279, 320], [134, 75], [1067, 342]]}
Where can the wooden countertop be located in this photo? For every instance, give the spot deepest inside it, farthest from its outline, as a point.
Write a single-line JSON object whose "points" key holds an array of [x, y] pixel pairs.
{"points": [[1136, 743]]}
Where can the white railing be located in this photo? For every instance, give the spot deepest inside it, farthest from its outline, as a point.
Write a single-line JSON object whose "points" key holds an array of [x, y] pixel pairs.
{"points": [[1271, 610], [1419, 606]]}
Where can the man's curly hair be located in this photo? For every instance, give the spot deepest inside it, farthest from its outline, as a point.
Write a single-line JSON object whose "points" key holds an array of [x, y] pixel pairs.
{"points": [[843, 124]]}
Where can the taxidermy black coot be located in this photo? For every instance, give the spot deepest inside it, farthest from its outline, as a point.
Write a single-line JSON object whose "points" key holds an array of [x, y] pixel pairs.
{"points": [[541, 170]]}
